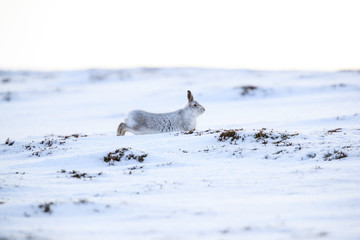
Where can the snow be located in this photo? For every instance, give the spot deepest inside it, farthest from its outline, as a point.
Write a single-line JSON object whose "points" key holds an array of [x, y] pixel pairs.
{"points": [[293, 172]]}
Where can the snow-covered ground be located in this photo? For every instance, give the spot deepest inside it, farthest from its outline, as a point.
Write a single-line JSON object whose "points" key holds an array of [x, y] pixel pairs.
{"points": [[289, 169]]}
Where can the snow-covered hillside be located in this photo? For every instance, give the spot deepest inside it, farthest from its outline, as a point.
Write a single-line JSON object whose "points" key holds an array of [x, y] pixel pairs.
{"points": [[276, 155]]}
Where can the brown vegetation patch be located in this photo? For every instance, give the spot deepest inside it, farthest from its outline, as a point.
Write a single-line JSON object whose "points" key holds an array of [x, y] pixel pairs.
{"points": [[124, 154]]}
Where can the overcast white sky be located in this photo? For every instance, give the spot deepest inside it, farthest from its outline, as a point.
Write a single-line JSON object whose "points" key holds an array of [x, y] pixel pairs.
{"points": [[281, 34]]}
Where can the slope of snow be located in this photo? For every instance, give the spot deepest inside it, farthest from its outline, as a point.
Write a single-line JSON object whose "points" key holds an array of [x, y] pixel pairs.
{"points": [[289, 170]]}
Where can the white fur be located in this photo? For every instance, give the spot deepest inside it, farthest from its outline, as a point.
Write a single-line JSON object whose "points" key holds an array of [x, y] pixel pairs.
{"points": [[141, 122]]}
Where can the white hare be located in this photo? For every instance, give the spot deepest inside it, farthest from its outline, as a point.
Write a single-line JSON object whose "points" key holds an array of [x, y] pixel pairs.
{"points": [[141, 122]]}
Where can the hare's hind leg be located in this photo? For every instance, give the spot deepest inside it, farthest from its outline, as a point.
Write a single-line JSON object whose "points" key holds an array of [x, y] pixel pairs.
{"points": [[121, 129]]}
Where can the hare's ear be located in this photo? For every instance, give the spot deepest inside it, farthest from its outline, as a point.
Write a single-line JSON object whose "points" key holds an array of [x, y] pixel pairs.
{"points": [[190, 96]]}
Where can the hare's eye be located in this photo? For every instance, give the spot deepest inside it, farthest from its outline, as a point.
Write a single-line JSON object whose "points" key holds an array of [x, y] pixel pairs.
{"points": [[195, 105]]}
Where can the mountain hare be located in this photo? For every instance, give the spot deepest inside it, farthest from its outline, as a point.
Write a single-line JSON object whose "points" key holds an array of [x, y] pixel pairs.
{"points": [[141, 122]]}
